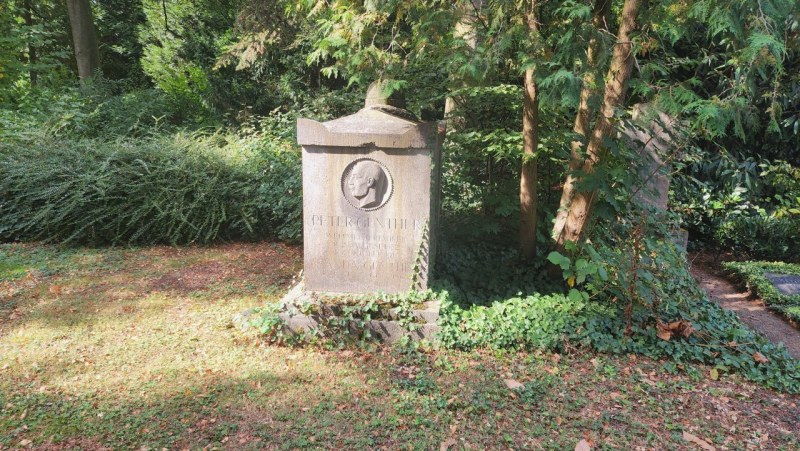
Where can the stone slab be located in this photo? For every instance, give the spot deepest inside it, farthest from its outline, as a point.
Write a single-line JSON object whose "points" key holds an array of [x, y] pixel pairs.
{"points": [[385, 330], [297, 300], [787, 284]]}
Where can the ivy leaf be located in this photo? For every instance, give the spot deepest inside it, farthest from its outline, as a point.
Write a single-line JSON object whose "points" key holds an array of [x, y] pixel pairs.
{"points": [[558, 259]]}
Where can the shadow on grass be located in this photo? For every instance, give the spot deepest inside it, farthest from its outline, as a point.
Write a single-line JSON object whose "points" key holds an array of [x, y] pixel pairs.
{"points": [[66, 287]]}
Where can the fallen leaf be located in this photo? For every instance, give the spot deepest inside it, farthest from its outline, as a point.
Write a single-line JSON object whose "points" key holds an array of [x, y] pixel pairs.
{"points": [[759, 357], [583, 445], [663, 331], [447, 444], [25, 442], [513, 384], [689, 437]]}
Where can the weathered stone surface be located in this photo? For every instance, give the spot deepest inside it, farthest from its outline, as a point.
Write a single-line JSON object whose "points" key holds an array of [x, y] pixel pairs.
{"points": [[787, 284], [651, 134], [368, 213], [298, 300]]}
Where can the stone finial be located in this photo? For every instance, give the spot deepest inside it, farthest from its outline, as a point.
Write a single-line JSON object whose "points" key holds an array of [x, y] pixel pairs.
{"points": [[376, 96]]}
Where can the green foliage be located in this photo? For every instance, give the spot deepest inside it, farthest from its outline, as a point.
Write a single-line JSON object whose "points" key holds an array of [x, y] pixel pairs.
{"points": [[34, 47], [531, 322], [597, 314], [163, 189], [103, 109], [742, 205], [751, 275]]}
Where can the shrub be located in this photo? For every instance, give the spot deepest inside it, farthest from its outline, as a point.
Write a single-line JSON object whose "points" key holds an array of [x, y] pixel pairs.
{"points": [[598, 311], [185, 188], [760, 236]]}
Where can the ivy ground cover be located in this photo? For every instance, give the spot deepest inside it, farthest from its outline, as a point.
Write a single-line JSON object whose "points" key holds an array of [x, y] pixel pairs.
{"points": [[135, 348]]}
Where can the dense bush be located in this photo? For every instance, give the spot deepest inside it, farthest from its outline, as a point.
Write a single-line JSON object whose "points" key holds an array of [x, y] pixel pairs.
{"points": [[186, 188], [741, 205]]}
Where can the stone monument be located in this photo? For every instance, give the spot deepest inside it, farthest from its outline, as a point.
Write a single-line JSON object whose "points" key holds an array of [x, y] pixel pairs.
{"points": [[653, 134], [370, 214], [370, 199]]}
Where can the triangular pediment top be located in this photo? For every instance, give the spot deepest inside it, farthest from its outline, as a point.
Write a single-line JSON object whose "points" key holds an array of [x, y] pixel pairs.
{"points": [[371, 120], [369, 126]]}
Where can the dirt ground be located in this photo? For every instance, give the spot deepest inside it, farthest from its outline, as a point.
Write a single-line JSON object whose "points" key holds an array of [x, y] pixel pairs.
{"points": [[751, 310]]}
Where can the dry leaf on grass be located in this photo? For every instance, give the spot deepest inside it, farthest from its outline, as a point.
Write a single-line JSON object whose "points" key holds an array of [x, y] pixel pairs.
{"points": [[513, 384], [583, 445], [759, 357], [447, 444], [689, 437], [663, 332]]}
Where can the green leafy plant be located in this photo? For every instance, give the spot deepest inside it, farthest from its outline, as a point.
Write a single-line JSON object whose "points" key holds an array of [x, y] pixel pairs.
{"points": [[186, 188]]}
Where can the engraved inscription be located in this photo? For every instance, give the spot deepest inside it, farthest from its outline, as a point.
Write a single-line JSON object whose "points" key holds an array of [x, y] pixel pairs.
{"points": [[366, 249], [366, 184]]}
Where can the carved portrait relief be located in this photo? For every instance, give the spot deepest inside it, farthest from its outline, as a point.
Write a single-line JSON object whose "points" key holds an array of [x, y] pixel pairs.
{"points": [[366, 184]]}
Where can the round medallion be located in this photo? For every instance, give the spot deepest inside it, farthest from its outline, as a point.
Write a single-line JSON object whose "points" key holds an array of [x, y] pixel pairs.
{"points": [[366, 184]]}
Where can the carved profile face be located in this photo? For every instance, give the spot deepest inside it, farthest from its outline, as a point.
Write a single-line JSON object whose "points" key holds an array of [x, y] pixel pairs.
{"points": [[368, 184], [364, 177]]}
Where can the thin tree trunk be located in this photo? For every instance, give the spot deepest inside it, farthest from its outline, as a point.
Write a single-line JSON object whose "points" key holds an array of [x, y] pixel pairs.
{"points": [[32, 57], [600, 15], [528, 199], [617, 80], [84, 38]]}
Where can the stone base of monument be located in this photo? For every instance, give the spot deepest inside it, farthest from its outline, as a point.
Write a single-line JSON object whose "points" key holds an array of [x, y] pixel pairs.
{"points": [[303, 312]]}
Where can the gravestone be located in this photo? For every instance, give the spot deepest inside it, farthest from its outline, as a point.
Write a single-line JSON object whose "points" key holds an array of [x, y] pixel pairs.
{"points": [[370, 215], [652, 133], [787, 284], [370, 200]]}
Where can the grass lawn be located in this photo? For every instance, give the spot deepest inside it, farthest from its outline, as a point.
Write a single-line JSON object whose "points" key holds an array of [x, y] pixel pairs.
{"points": [[122, 348]]}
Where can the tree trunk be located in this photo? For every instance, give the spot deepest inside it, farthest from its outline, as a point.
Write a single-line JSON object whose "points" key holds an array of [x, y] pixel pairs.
{"points": [[600, 15], [84, 38], [619, 73], [27, 12], [528, 199]]}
